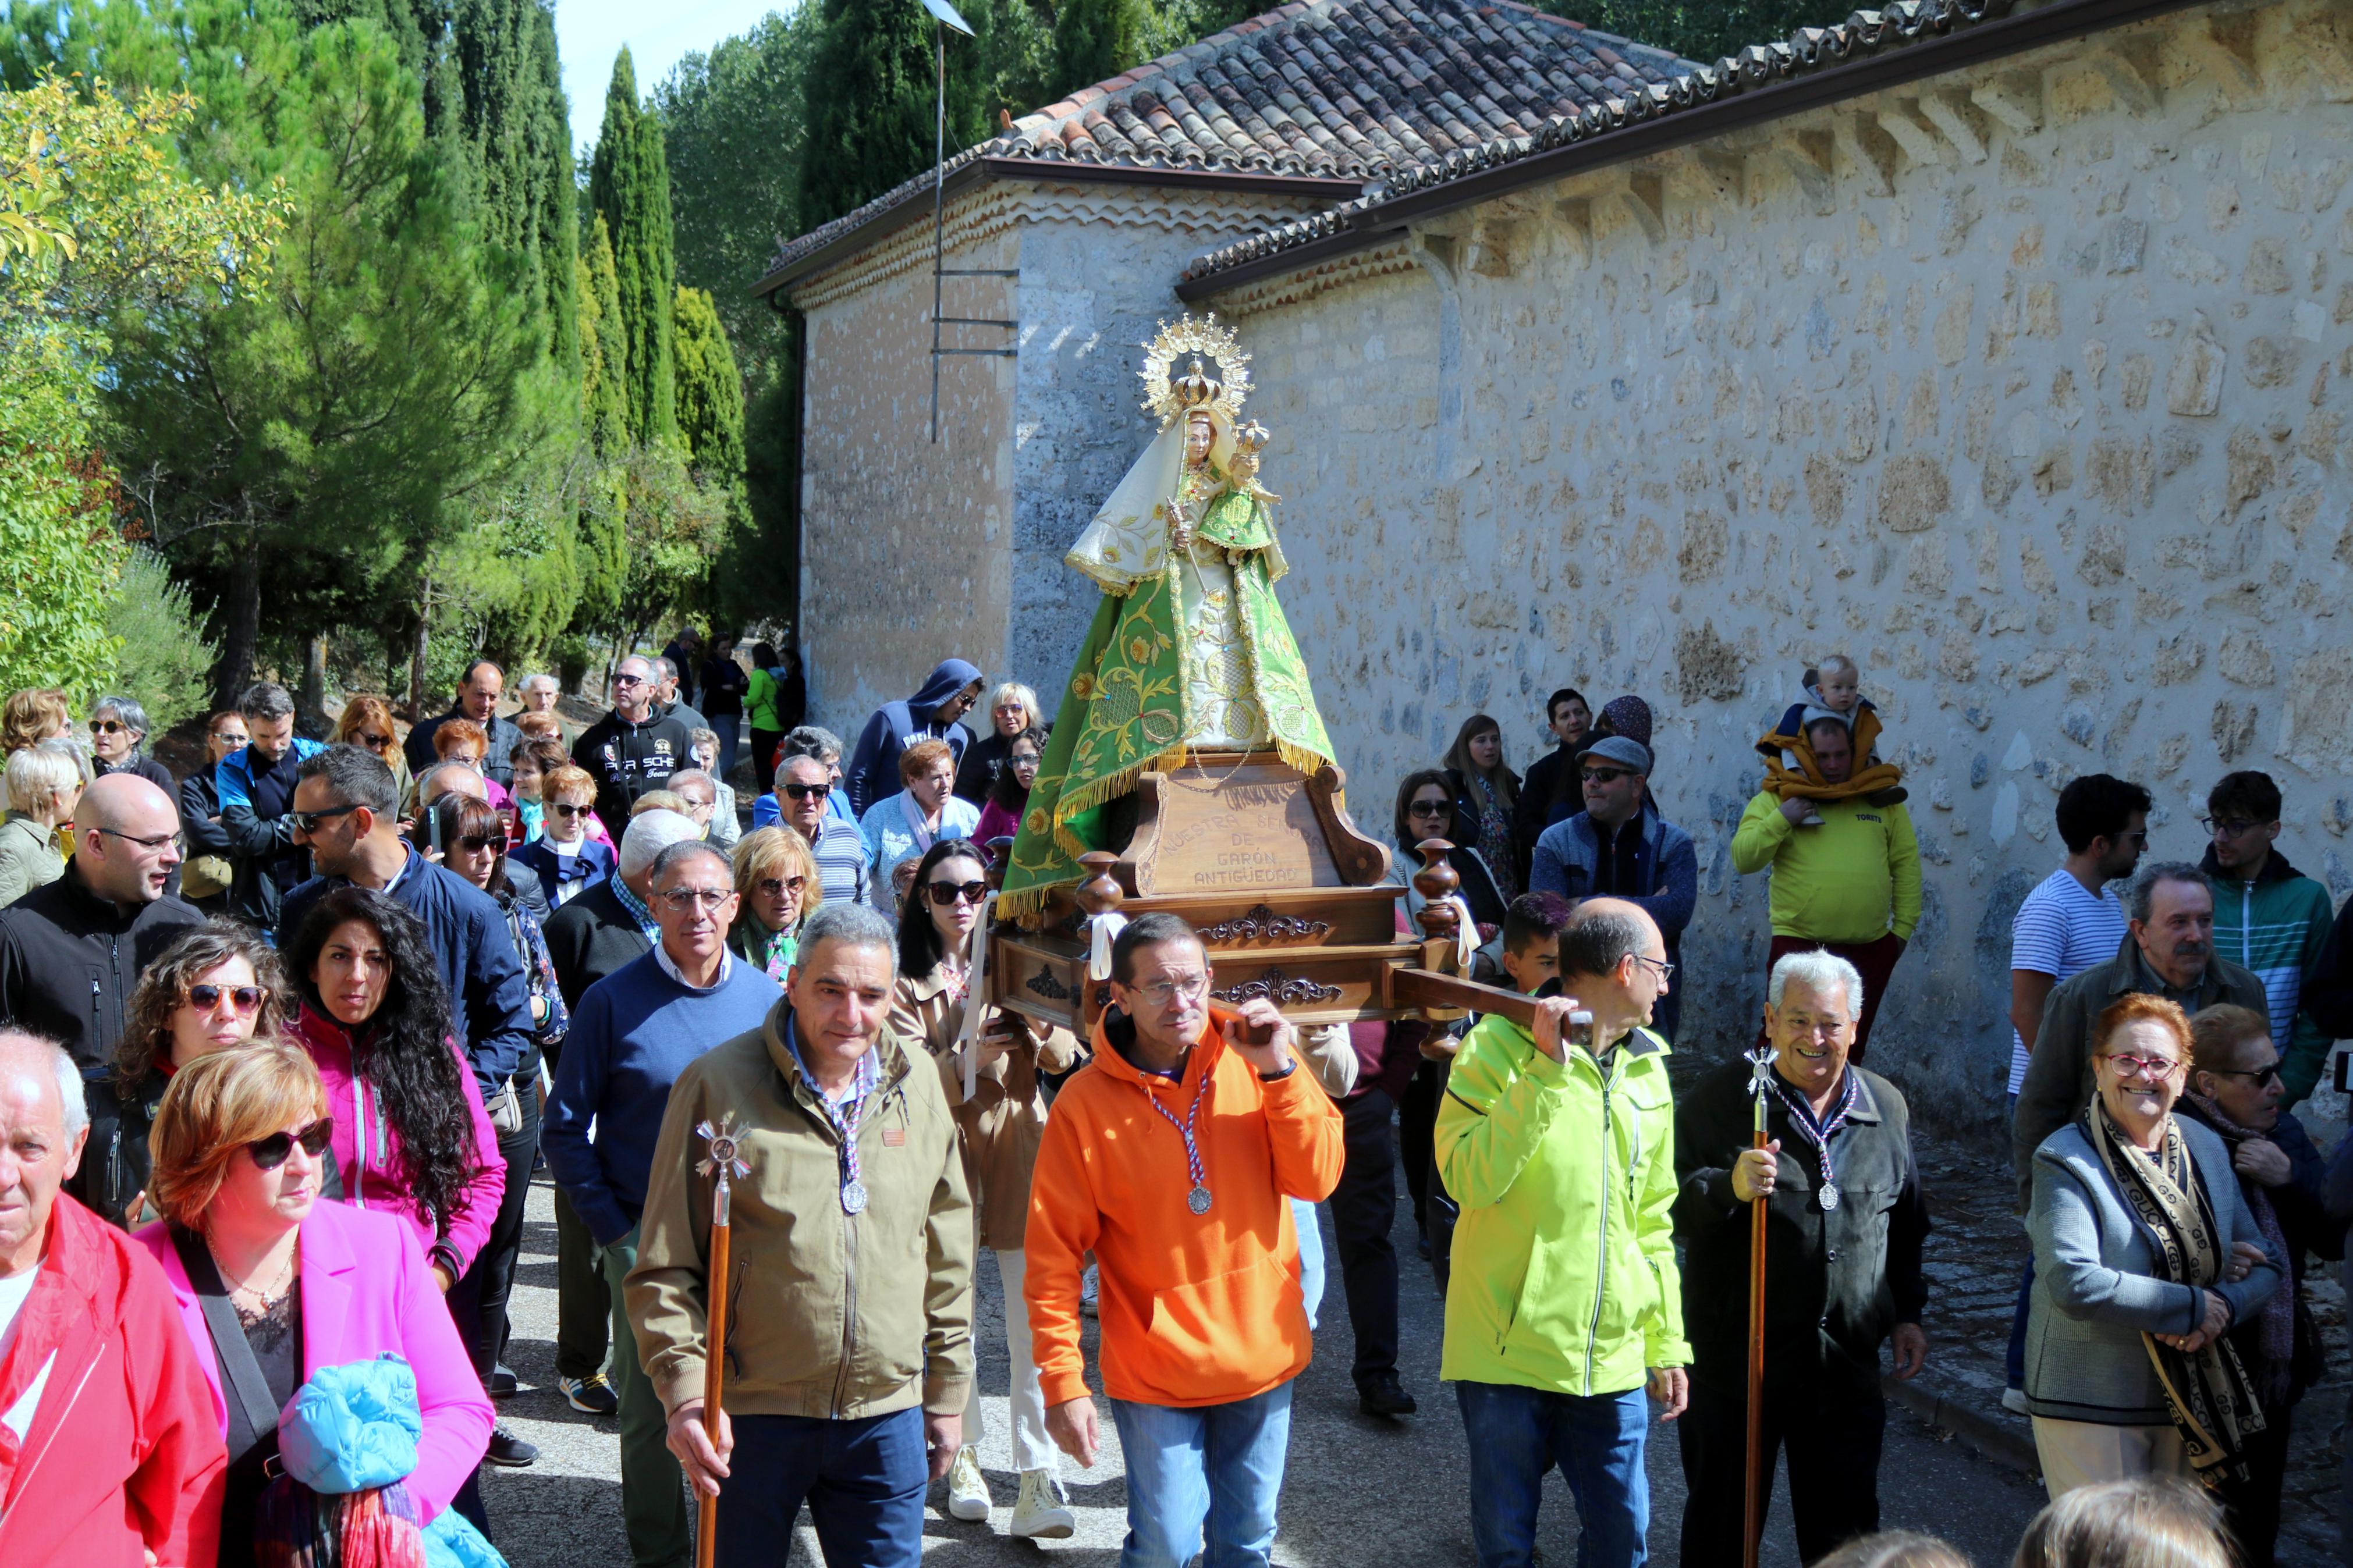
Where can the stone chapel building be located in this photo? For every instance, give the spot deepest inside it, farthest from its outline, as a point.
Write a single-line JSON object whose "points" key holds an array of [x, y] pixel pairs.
{"points": [[2004, 348]]}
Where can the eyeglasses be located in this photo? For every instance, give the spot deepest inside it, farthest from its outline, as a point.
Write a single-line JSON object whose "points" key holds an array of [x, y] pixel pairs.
{"points": [[566, 810], [243, 999], [375, 743], [944, 893], [681, 899], [778, 886], [475, 843], [807, 792], [2265, 1076], [155, 845], [2227, 826], [308, 821], [271, 1153], [1024, 759], [1666, 970], [620, 681], [1603, 775], [2157, 1068], [1429, 808], [108, 727], [1161, 992]]}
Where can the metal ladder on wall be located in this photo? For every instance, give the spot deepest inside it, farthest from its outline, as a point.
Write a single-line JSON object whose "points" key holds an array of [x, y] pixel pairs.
{"points": [[944, 16]]}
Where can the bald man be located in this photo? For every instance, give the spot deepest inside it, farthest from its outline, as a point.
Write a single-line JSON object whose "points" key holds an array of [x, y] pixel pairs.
{"points": [[72, 951], [111, 1447]]}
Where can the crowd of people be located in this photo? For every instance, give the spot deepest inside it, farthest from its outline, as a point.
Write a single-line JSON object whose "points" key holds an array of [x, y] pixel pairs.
{"points": [[283, 1041]]}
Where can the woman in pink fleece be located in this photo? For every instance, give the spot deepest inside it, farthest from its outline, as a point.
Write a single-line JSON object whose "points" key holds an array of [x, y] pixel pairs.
{"points": [[411, 1137]]}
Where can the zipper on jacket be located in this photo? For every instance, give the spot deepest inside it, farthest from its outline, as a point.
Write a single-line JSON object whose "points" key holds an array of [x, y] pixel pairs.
{"points": [[1601, 1273]]}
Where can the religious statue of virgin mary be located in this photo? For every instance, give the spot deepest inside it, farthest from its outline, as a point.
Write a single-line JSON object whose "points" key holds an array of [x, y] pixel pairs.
{"points": [[1188, 651]]}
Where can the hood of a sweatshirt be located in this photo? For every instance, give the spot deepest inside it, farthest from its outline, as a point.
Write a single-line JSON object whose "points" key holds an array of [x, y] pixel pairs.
{"points": [[948, 676]]}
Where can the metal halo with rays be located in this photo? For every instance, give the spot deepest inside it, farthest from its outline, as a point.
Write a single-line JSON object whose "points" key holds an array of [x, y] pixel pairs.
{"points": [[724, 1157], [1204, 337]]}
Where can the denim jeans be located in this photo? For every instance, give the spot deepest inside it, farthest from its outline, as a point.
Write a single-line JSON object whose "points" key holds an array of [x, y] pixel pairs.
{"points": [[1516, 1434], [1215, 1464], [864, 1480], [1310, 1257]]}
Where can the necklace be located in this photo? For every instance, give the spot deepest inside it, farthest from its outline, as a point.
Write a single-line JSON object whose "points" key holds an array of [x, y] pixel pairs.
{"points": [[1198, 1199], [265, 1296]]}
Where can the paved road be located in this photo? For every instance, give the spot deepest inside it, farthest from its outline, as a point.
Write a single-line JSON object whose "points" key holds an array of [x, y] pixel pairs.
{"points": [[1357, 1491]]}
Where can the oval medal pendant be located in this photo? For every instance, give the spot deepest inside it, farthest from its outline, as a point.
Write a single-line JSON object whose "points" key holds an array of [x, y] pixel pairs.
{"points": [[1828, 1196], [1197, 1200], [854, 1198]]}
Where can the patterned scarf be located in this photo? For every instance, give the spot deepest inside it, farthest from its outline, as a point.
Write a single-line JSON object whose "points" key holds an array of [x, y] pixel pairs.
{"points": [[2277, 1341], [2215, 1405]]}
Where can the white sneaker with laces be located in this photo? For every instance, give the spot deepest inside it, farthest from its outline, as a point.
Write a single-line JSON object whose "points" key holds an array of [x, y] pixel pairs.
{"points": [[967, 1488], [1040, 1514]]}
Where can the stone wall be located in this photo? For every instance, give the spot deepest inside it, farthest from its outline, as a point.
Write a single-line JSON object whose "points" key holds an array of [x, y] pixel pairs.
{"points": [[914, 552], [2024, 387]]}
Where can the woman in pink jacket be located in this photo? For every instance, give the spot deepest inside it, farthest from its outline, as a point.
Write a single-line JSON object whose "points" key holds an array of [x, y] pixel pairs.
{"points": [[273, 1283], [411, 1137]]}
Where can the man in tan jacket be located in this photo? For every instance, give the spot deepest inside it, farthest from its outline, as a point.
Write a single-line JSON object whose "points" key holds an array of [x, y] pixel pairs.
{"points": [[850, 1350]]}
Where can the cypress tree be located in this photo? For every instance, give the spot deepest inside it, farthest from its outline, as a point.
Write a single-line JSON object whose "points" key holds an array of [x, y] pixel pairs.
{"points": [[604, 347], [630, 183], [710, 392], [871, 107], [1095, 41]]}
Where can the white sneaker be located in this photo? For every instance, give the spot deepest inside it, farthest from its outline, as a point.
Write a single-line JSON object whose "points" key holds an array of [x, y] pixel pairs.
{"points": [[1087, 1289], [1041, 1515], [967, 1488], [2014, 1401], [1811, 819]]}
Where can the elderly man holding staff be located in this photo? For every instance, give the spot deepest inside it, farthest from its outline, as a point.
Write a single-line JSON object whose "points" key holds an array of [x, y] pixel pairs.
{"points": [[1845, 1219], [2145, 1257], [852, 1232]]}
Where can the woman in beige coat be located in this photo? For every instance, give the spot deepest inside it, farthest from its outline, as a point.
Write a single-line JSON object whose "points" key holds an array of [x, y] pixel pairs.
{"points": [[1000, 1128]]}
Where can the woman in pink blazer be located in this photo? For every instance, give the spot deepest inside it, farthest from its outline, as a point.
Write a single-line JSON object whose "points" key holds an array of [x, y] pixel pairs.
{"points": [[274, 1283], [411, 1137]]}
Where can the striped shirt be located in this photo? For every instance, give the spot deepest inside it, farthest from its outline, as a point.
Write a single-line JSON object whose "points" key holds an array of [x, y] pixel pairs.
{"points": [[841, 864], [2061, 931]]}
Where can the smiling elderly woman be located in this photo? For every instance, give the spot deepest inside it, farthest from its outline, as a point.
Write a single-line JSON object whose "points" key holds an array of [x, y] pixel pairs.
{"points": [[2144, 1256], [272, 1285]]}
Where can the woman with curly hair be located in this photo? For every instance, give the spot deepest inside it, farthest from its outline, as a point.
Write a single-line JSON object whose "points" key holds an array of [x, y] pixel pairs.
{"points": [[777, 886], [35, 714], [411, 1136], [216, 986]]}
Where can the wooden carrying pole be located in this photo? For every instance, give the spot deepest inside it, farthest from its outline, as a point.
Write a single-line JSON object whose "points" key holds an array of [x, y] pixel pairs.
{"points": [[723, 1163], [1752, 1509]]}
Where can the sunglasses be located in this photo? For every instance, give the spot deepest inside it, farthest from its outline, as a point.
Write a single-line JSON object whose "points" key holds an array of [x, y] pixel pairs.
{"points": [[108, 727], [1429, 808], [807, 792], [243, 999], [776, 888], [475, 843], [308, 821], [565, 809], [2265, 1076], [271, 1153], [376, 742], [945, 893], [1603, 775]]}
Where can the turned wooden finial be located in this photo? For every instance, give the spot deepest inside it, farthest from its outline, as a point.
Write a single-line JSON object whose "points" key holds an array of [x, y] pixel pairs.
{"points": [[1436, 882], [1000, 855], [1101, 893]]}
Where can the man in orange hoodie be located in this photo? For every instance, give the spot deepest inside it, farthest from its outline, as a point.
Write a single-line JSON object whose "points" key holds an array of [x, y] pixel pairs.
{"points": [[1170, 1157]]}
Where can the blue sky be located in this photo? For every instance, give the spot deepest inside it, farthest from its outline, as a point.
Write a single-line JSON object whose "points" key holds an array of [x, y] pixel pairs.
{"points": [[589, 33]]}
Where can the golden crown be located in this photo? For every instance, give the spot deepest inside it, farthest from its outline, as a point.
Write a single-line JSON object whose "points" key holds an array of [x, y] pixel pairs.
{"points": [[1196, 388]]}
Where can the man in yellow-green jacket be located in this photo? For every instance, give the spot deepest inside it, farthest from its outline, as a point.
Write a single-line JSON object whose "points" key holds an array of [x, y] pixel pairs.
{"points": [[1849, 882], [1565, 1303]]}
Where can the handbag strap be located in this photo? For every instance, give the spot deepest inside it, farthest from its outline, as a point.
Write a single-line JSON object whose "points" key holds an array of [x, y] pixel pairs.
{"points": [[239, 1370]]}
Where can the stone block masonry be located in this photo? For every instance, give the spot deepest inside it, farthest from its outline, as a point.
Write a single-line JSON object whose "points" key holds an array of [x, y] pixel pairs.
{"points": [[2025, 386]]}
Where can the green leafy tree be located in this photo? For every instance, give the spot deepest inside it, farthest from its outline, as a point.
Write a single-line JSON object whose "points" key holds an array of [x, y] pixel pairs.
{"points": [[163, 655], [710, 393], [604, 347], [630, 183]]}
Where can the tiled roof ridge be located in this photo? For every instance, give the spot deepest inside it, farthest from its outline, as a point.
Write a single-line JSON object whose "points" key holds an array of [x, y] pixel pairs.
{"points": [[1808, 49], [1350, 89]]}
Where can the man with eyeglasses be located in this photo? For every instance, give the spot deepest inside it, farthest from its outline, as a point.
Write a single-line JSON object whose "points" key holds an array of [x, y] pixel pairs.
{"points": [[1559, 1143], [255, 784], [2168, 952], [72, 951], [2268, 918], [632, 1034], [343, 812], [1845, 1222], [1849, 882], [2070, 922], [479, 693], [806, 788], [1171, 1157], [1621, 846], [632, 749]]}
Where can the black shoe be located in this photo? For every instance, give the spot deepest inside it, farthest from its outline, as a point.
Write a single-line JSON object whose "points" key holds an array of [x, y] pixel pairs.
{"points": [[1893, 795], [1384, 1395], [500, 1383], [510, 1450]]}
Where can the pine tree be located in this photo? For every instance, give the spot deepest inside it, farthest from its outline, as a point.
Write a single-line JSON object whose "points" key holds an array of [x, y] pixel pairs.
{"points": [[604, 347], [710, 392], [630, 183]]}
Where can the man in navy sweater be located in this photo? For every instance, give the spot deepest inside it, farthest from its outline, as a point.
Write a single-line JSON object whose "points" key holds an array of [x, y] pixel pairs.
{"points": [[632, 1033]]}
